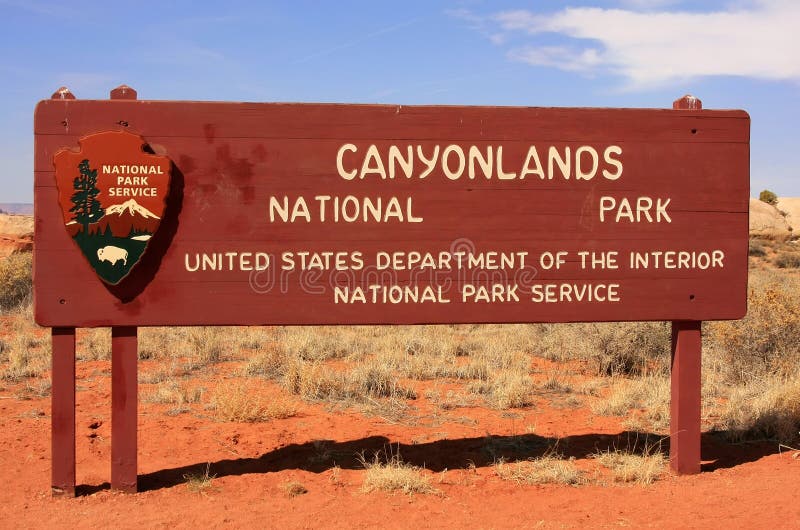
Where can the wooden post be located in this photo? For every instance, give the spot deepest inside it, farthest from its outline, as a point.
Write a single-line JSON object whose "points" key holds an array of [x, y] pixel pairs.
{"points": [[62, 395], [124, 387], [684, 425], [686, 372], [124, 404]]}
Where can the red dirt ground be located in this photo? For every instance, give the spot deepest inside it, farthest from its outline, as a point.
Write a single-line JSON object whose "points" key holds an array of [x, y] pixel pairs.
{"points": [[743, 486]]}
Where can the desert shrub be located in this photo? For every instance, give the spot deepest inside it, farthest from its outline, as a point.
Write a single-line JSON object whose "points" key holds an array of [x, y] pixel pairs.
{"points": [[161, 343], [393, 474], [547, 469], [505, 389], [622, 348], [376, 381], [787, 260], [768, 408], [241, 402], [94, 344], [317, 382], [767, 339], [172, 392], [629, 466], [768, 197], [293, 488], [270, 363], [15, 280], [200, 482], [323, 343], [28, 356], [211, 344], [757, 248], [652, 394]]}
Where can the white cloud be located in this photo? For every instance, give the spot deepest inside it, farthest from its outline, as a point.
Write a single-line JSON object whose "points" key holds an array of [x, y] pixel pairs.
{"points": [[648, 4], [654, 48]]}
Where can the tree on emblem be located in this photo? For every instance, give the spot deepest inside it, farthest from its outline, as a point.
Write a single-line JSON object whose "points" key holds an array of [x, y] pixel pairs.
{"points": [[86, 207]]}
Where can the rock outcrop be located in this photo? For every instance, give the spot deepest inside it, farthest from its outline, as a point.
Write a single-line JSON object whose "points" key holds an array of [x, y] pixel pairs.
{"points": [[767, 221], [16, 234]]}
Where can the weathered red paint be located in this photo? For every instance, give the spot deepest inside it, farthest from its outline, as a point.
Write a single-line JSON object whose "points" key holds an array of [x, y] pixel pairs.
{"points": [[124, 406], [684, 427], [229, 158], [62, 416]]}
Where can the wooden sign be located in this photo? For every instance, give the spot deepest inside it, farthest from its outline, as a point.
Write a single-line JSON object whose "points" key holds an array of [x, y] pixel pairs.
{"points": [[360, 214]]}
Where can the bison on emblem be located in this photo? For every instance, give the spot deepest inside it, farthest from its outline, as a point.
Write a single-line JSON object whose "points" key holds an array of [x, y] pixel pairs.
{"points": [[112, 254]]}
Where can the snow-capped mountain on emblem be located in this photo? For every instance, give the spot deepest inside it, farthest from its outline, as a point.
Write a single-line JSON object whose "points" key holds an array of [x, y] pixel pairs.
{"points": [[129, 218], [113, 196]]}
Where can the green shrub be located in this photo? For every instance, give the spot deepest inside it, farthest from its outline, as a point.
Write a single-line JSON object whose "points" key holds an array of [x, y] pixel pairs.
{"points": [[15, 280], [768, 197]]}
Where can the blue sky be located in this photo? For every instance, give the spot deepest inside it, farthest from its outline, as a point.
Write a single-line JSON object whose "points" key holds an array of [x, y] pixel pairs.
{"points": [[625, 53]]}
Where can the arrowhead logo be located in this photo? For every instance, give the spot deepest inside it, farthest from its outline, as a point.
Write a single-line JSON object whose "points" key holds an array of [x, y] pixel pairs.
{"points": [[113, 196]]}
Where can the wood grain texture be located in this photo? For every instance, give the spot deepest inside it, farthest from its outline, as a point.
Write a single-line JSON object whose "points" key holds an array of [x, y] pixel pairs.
{"points": [[229, 158]]}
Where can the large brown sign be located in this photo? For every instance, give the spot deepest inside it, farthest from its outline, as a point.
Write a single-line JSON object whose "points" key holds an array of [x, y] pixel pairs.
{"points": [[333, 214]]}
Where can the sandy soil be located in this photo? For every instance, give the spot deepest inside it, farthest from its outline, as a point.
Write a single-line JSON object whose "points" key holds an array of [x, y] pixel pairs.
{"points": [[742, 486]]}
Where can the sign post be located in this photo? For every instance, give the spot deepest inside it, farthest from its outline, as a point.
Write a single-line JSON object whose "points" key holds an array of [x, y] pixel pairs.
{"points": [[170, 213], [62, 417]]}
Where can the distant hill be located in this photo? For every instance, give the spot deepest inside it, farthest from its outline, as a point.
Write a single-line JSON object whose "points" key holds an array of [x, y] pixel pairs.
{"points": [[18, 208]]}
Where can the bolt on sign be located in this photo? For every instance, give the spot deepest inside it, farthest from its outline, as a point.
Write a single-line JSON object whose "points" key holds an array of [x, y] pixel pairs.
{"points": [[184, 213]]}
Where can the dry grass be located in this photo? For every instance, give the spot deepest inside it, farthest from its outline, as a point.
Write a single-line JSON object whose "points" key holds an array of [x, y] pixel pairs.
{"points": [[392, 474], [325, 343], [210, 345], [651, 394], [787, 260], [630, 466], [316, 381], [242, 402], [505, 390], [93, 344], [451, 399], [270, 363], [547, 469], [25, 355], [764, 409], [293, 489], [15, 281], [638, 348], [200, 482], [174, 393], [757, 248], [767, 340]]}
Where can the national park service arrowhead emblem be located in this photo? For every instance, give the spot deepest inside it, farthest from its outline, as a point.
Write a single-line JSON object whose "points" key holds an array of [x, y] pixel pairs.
{"points": [[113, 195]]}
